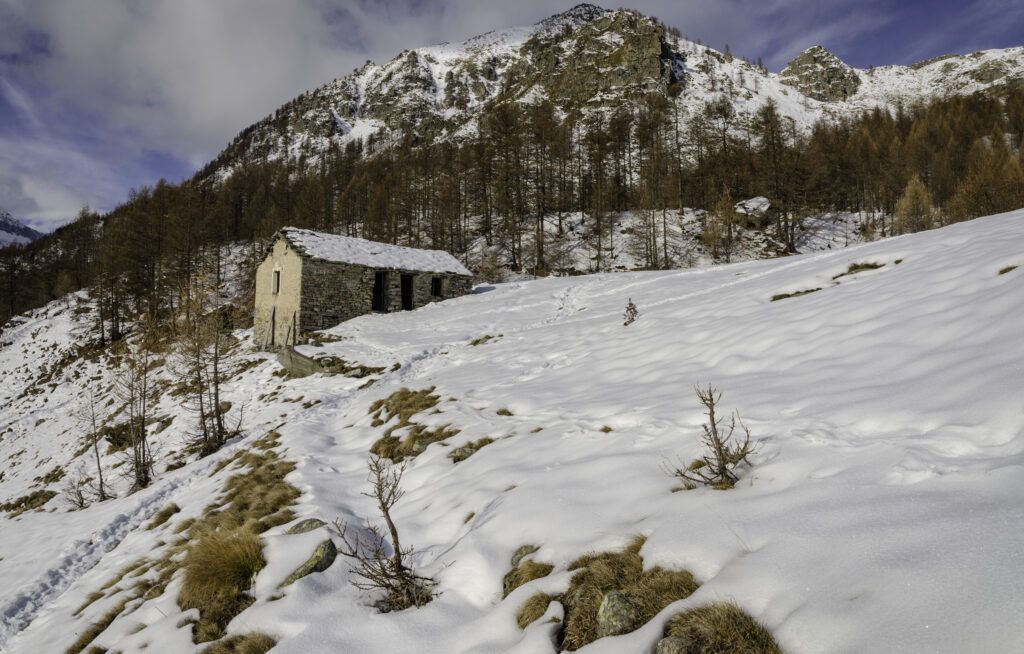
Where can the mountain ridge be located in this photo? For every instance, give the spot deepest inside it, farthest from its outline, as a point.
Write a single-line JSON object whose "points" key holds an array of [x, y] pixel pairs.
{"points": [[13, 231], [585, 59]]}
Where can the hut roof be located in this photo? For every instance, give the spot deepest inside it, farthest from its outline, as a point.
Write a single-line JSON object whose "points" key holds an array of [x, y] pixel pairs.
{"points": [[345, 249]]}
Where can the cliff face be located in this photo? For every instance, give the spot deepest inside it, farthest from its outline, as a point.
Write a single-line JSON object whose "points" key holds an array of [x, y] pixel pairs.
{"points": [[819, 74]]}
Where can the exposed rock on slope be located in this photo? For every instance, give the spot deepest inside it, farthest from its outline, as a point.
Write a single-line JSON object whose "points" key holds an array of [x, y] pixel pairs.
{"points": [[819, 74]]}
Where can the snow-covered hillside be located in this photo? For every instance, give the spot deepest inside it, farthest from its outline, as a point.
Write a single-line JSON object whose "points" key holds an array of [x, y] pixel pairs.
{"points": [[881, 513]]}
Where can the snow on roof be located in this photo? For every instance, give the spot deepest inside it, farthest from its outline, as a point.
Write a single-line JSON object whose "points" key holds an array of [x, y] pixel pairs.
{"points": [[345, 249], [754, 206]]}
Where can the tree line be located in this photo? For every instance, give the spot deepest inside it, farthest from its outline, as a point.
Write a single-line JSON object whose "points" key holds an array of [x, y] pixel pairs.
{"points": [[512, 182]]}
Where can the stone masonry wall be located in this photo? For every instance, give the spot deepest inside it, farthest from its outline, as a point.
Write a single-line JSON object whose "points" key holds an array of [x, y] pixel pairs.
{"points": [[334, 292]]}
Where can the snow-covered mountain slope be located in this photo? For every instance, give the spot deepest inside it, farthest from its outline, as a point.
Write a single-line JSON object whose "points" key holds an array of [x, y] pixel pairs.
{"points": [[842, 89], [13, 231], [881, 511], [584, 59]]}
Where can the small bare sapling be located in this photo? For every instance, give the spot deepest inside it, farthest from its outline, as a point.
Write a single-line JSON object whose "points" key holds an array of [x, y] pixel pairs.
{"points": [[724, 449], [632, 313], [375, 569]]}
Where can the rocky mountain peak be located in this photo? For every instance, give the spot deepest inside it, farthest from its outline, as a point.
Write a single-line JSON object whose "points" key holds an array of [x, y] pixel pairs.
{"points": [[14, 231], [819, 74], [578, 15]]}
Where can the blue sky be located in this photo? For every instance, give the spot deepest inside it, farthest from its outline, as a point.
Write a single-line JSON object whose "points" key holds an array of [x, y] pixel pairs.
{"points": [[103, 96]]}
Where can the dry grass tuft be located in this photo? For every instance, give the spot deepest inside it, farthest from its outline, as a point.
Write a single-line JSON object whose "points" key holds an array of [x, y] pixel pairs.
{"points": [[1007, 269], [52, 477], [163, 515], [648, 591], [184, 525], [469, 449], [96, 628], [252, 643], [722, 627], [404, 404], [221, 552], [527, 571], [89, 599], [124, 572], [32, 501], [219, 569], [533, 609], [855, 268], [338, 366], [224, 550], [504, 412], [783, 296], [414, 443], [258, 497]]}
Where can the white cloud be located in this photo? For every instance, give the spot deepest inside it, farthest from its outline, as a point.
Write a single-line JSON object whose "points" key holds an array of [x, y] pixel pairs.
{"points": [[112, 81]]}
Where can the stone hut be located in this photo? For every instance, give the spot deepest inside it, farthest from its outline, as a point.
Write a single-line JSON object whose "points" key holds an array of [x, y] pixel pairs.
{"points": [[310, 280]]}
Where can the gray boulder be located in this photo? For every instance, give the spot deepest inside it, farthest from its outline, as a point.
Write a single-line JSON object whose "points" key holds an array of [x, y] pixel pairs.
{"points": [[322, 558], [523, 551], [617, 615], [309, 524], [674, 645]]}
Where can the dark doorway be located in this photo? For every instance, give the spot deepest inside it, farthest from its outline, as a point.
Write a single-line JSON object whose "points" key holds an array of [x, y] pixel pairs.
{"points": [[406, 292], [380, 291]]}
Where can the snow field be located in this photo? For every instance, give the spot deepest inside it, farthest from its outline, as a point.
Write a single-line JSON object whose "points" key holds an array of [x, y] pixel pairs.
{"points": [[882, 511]]}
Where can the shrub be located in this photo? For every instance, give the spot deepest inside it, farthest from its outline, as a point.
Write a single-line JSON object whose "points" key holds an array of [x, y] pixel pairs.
{"points": [[402, 586], [717, 468], [722, 627]]}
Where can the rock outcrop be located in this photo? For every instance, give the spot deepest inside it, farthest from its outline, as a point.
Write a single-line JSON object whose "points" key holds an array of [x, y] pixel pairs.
{"points": [[819, 74]]}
